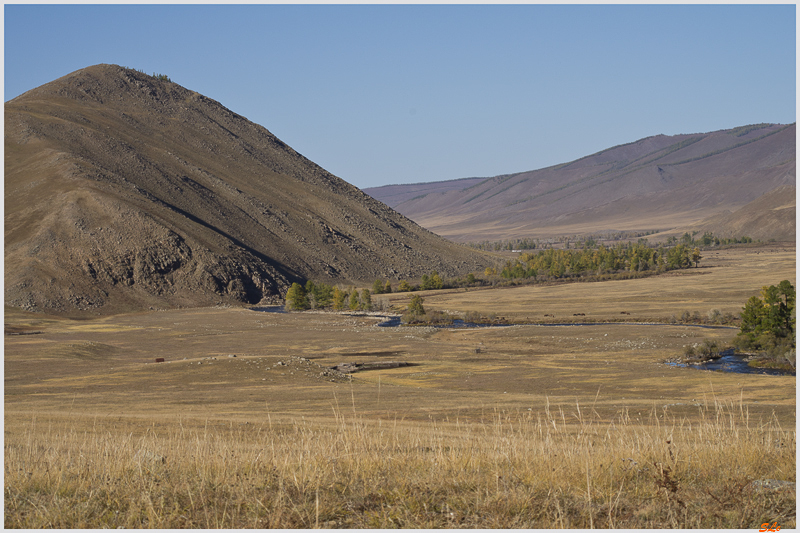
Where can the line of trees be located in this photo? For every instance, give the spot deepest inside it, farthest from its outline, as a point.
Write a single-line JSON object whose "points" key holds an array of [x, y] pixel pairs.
{"points": [[626, 259], [708, 239], [629, 257], [548, 264], [567, 241], [428, 282], [323, 296]]}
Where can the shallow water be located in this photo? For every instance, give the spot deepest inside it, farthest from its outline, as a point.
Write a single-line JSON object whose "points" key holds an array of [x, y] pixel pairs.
{"points": [[564, 324], [270, 309], [394, 322], [738, 364]]}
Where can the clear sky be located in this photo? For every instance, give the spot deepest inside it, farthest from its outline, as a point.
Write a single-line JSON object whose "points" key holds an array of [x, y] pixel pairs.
{"points": [[381, 94]]}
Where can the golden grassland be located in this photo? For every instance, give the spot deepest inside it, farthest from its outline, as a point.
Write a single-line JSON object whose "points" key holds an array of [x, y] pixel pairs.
{"points": [[522, 426], [557, 468]]}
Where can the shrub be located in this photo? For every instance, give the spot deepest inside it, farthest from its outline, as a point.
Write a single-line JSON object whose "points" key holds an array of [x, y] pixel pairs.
{"points": [[415, 310]]}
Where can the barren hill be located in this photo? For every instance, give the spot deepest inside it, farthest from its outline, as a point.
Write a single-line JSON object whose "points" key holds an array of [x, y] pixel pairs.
{"points": [[770, 216], [660, 182], [125, 191]]}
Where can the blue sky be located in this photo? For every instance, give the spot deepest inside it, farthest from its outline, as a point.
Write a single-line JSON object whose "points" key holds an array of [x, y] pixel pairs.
{"points": [[381, 94]]}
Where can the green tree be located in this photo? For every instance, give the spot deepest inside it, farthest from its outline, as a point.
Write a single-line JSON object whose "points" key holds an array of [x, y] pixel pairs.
{"points": [[309, 288], [323, 295], [424, 283], [366, 300], [404, 286], [678, 257], [787, 292], [768, 322], [377, 287], [751, 318], [296, 297], [319, 295], [387, 289], [415, 307], [354, 303], [696, 257]]}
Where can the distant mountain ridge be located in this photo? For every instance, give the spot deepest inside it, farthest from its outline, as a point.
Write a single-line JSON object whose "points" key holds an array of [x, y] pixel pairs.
{"points": [[398, 194], [659, 182], [124, 192]]}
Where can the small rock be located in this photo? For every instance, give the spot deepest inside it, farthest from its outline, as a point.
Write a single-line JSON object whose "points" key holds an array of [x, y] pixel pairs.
{"points": [[761, 485]]}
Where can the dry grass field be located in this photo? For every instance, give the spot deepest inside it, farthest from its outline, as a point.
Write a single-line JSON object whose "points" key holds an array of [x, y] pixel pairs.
{"points": [[530, 425]]}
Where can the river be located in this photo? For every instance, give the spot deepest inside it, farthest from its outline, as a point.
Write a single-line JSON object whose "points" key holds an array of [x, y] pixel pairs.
{"points": [[726, 363]]}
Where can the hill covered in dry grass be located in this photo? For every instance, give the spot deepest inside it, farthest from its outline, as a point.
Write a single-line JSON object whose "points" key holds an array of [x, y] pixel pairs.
{"points": [[125, 191], [657, 183]]}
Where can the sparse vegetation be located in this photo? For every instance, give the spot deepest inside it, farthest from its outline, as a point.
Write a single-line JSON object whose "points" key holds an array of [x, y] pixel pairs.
{"points": [[744, 130], [708, 349]]}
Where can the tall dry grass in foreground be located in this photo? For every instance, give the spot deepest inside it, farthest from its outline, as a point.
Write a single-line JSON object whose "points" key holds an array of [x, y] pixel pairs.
{"points": [[563, 467]]}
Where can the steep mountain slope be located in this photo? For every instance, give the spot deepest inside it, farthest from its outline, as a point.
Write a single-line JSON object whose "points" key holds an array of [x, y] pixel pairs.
{"points": [[655, 183], [123, 191]]}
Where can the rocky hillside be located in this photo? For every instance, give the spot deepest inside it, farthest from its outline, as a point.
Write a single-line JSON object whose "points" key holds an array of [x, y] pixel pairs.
{"points": [[124, 192], [656, 183]]}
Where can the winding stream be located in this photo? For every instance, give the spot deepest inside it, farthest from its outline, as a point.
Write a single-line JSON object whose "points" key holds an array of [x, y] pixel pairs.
{"points": [[726, 363]]}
